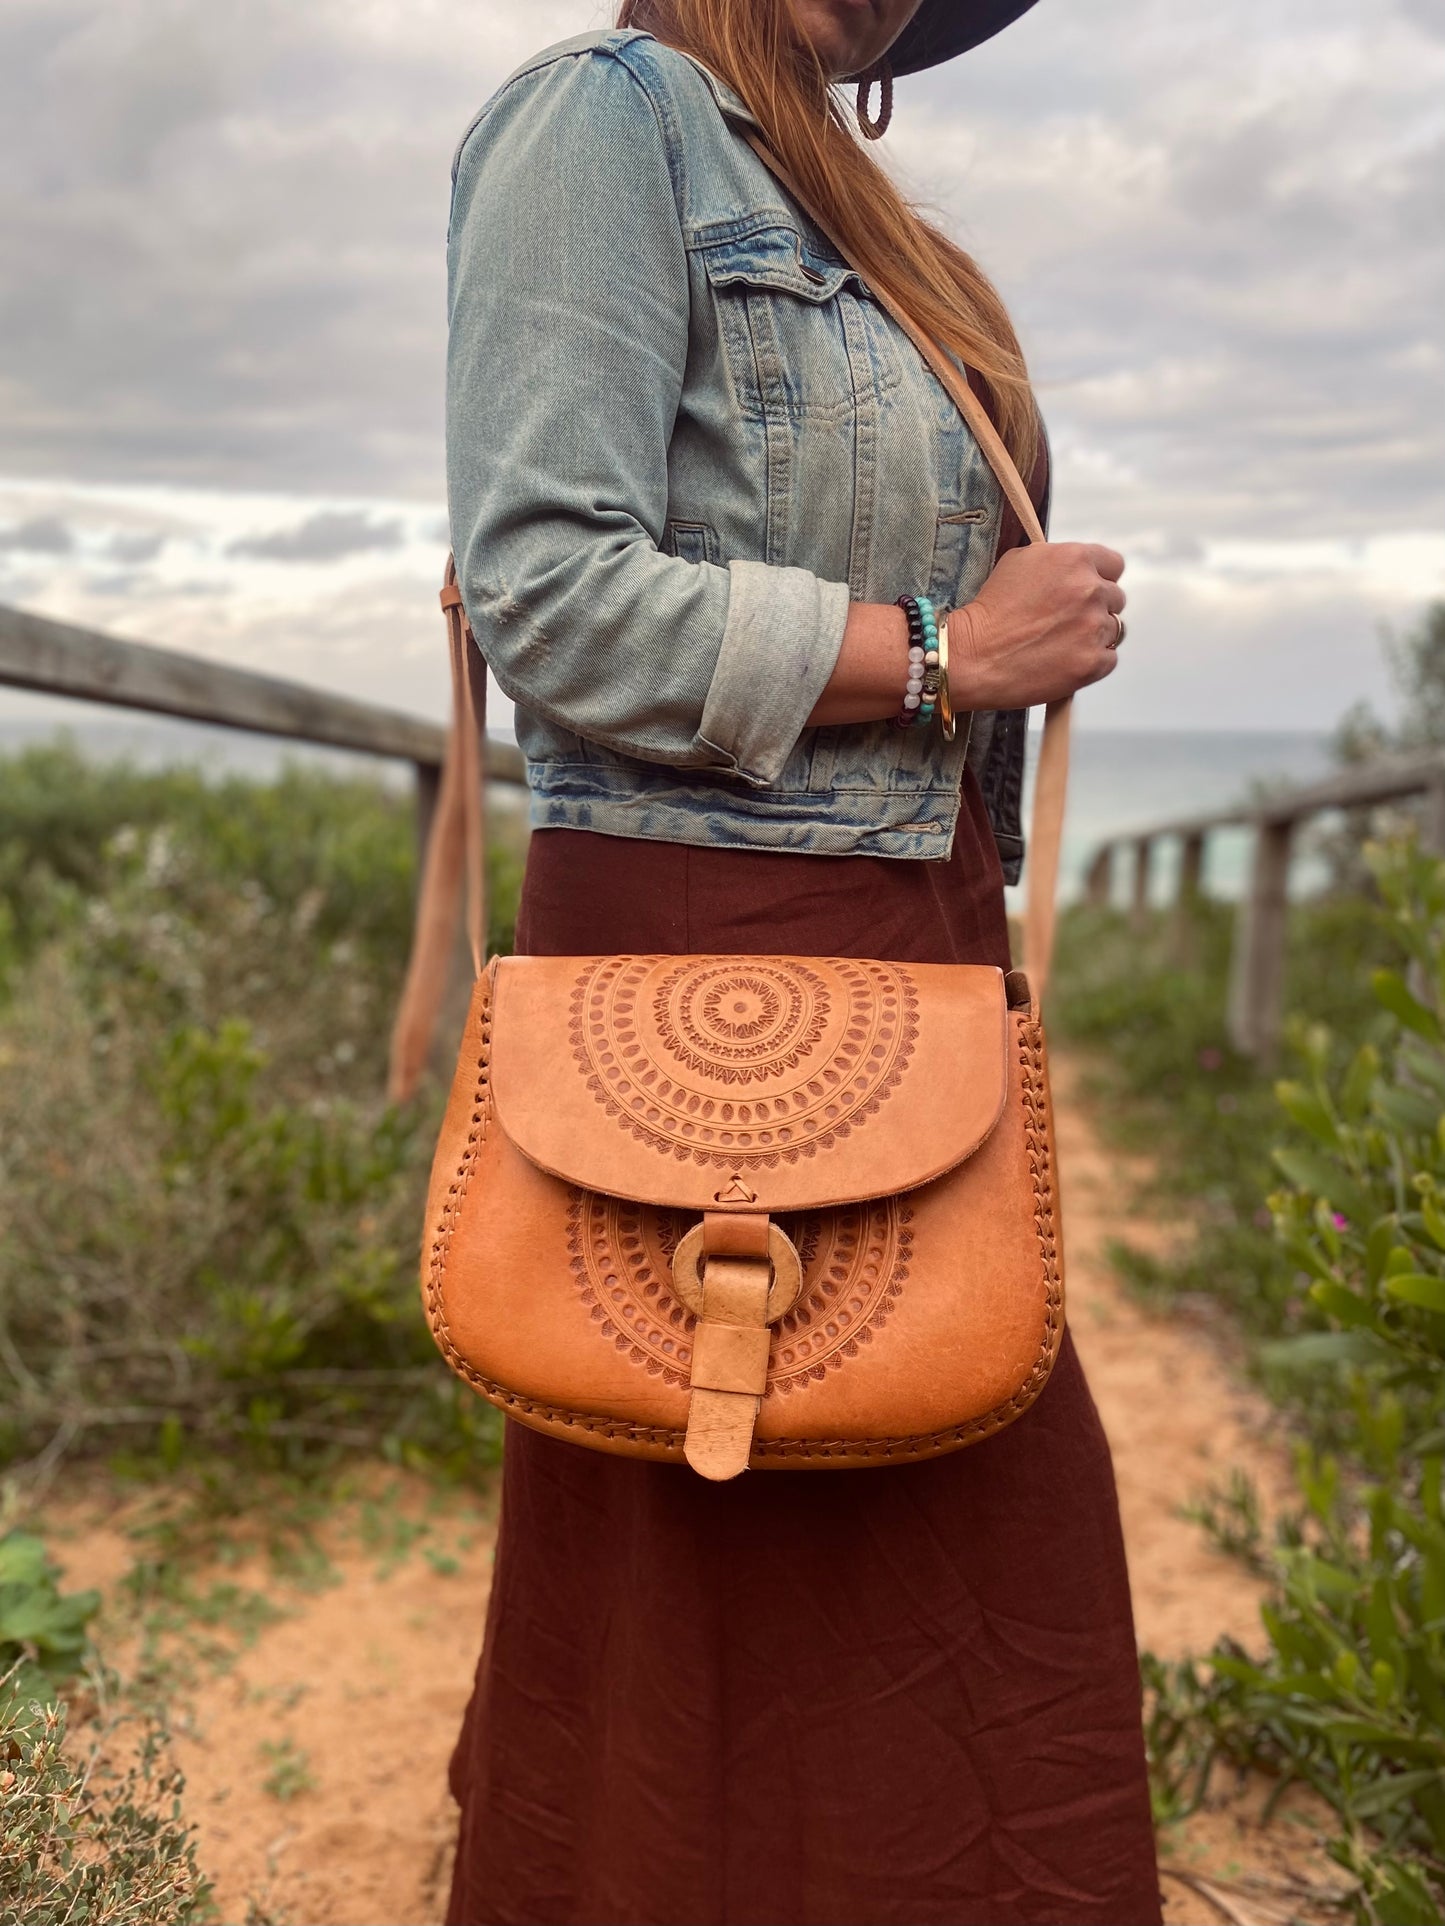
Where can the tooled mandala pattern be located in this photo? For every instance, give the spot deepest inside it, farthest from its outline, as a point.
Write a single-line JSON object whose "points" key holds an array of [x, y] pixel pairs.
{"points": [[855, 1263], [742, 1062], [740, 1025]]}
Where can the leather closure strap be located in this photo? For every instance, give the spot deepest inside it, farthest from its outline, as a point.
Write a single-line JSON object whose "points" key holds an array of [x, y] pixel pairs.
{"points": [[738, 1273], [735, 1233], [729, 1366]]}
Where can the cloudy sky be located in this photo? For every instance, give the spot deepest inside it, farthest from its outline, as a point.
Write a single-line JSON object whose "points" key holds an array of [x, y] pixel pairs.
{"points": [[221, 319]]}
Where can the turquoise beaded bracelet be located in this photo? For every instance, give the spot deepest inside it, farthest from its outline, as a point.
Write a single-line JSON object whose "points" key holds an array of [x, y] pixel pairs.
{"points": [[920, 696]]}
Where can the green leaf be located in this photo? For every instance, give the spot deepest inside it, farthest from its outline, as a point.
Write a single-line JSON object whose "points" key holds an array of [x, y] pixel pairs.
{"points": [[1320, 1177], [1412, 1112], [1341, 1304], [1388, 1739], [1432, 1580], [1359, 1081], [1379, 1245], [1394, 994], [22, 1559], [1312, 1349], [1391, 1792], [1434, 1221], [1333, 1579], [1309, 1110], [1400, 1893], [1417, 1287]]}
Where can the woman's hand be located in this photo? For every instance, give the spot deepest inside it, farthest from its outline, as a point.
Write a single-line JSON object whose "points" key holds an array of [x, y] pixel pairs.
{"points": [[1043, 625]]}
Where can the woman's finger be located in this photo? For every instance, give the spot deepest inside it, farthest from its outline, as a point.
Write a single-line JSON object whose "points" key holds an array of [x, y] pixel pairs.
{"points": [[1115, 600], [1108, 561]]}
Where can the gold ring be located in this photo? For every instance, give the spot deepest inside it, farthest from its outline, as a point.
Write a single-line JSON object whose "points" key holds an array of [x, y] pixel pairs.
{"points": [[1122, 632], [783, 1292]]}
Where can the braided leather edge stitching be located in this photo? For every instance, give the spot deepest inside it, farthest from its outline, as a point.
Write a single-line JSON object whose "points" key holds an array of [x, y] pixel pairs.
{"points": [[1036, 1132]]}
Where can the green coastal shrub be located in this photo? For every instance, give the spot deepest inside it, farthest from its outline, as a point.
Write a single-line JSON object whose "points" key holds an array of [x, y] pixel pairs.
{"points": [[209, 1216], [1166, 1083], [90, 1828], [1349, 1694], [94, 1838]]}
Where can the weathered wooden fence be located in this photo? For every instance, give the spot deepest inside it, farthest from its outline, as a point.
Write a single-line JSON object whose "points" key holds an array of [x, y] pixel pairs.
{"points": [[56, 658], [1256, 979]]}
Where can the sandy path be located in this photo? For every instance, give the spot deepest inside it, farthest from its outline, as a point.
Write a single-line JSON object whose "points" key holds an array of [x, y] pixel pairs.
{"points": [[315, 1755], [315, 1745], [1180, 1418]]}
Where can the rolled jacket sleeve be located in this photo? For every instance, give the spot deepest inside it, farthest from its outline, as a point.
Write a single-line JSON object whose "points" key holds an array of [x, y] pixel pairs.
{"points": [[569, 316]]}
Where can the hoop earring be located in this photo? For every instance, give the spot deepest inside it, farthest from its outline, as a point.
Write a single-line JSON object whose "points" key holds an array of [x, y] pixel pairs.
{"points": [[883, 73]]}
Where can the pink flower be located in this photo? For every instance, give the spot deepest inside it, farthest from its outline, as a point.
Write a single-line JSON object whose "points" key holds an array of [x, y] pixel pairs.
{"points": [[1340, 1222]]}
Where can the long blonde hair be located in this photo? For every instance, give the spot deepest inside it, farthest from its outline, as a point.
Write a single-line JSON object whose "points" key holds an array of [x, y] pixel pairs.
{"points": [[757, 48]]}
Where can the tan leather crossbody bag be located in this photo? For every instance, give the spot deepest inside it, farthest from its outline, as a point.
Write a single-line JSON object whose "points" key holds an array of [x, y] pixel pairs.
{"points": [[779, 1211]]}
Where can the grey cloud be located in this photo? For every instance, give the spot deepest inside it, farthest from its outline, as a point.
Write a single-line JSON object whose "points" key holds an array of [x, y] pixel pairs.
{"points": [[121, 583], [225, 234], [43, 535], [1428, 16], [1225, 259], [1286, 655], [324, 537], [135, 550]]}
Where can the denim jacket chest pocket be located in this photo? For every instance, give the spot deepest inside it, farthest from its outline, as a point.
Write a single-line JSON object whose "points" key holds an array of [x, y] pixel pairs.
{"points": [[798, 329]]}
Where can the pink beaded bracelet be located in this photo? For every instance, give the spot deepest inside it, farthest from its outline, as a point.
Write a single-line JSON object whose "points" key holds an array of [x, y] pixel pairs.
{"points": [[920, 693]]}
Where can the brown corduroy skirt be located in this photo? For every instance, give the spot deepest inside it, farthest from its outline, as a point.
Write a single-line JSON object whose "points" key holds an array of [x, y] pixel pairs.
{"points": [[905, 1696]]}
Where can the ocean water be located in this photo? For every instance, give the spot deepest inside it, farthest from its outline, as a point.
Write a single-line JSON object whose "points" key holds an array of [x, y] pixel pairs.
{"points": [[1123, 780], [1120, 780]]}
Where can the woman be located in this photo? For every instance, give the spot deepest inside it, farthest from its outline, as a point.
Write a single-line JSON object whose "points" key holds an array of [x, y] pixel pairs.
{"points": [[692, 464]]}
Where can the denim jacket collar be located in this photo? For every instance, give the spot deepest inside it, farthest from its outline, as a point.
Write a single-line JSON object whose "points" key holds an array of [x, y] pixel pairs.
{"points": [[732, 104]]}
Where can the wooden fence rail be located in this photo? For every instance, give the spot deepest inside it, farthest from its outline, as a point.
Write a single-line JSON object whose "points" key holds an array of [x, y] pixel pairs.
{"points": [[1256, 977], [57, 658]]}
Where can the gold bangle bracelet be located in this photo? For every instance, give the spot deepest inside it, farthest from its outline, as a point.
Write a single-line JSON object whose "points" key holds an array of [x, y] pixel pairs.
{"points": [[948, 721]]}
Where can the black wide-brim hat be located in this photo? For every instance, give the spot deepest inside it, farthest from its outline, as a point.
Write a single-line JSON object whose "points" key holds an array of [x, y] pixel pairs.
{"points": [[942, 28]]}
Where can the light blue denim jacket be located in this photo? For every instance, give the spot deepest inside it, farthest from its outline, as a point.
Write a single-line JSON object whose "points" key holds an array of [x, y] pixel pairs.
{"points": [[680, 439]]}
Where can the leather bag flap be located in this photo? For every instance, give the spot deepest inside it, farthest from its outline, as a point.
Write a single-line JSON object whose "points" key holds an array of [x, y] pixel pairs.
{"points": [[774, 1083]]}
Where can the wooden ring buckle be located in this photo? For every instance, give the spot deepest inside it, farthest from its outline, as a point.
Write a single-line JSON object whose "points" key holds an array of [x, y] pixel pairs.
{"points": [[783, 1292]]}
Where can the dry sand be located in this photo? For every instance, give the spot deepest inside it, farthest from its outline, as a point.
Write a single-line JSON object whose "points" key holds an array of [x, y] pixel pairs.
{"points": [[315, 1755]]}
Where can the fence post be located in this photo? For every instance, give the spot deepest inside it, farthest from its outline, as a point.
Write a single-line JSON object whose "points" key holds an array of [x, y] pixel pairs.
{"points": [[1256, 972], [1432, 826], [1143, 853], [1186, 901], [1099, 883]]}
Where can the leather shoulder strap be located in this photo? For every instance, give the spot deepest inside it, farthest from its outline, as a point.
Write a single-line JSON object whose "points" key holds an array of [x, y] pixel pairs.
{"points": [[455, 850], [1046, 832]]}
